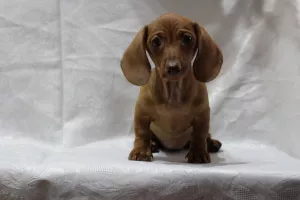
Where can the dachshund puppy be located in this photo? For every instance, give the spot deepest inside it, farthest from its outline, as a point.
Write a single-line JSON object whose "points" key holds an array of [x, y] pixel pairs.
{"points": [[173, 107]]}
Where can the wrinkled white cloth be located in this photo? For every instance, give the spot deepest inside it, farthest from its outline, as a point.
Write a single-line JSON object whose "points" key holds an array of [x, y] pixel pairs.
{"points": [[66, 110]]}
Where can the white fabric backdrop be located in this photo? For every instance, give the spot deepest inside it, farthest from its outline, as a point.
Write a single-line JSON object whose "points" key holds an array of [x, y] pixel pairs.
{"points": [[66, 110]]}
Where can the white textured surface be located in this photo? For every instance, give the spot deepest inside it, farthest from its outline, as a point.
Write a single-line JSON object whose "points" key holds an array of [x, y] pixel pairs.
{"points": [[66, 110]]}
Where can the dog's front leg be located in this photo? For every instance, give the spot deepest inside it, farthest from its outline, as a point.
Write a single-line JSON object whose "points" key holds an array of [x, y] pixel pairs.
{"points": [[198, 152], [142, 142]]}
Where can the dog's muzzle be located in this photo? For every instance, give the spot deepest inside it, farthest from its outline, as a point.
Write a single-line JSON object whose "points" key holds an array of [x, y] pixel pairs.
{"points": [[173, 67]]}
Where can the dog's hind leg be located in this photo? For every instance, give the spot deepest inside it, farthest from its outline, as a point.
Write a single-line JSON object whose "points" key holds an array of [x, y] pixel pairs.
{"points": [[213, 145]]}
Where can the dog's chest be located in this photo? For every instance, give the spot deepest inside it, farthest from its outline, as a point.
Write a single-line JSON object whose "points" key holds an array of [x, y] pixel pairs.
{"points": [[173, 119], [171, 125]]}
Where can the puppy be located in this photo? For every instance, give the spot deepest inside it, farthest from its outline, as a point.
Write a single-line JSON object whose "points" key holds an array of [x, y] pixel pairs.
{"points": [[173, 107]]}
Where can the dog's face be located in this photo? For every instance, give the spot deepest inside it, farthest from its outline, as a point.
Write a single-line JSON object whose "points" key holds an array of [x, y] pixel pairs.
{"points": [[172, 41], [171, 44]]}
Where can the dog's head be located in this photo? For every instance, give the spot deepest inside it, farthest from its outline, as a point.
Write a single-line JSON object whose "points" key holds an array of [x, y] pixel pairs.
{"points": [[172, 41]]}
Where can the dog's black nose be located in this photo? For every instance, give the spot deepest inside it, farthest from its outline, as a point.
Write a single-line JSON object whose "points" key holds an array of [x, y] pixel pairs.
{"points": [[173, 70]]}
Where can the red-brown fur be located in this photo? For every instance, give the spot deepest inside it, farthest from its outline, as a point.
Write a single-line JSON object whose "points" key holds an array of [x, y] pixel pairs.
{"points": [[172, 108]]}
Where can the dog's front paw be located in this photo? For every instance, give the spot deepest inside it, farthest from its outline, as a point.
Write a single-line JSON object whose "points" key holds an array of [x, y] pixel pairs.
{"points": [[198, 157], [141, 155]]}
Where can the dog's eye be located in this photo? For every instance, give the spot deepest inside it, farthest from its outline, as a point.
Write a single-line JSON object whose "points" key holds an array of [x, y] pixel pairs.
{"points": [[156, 41], [186, 39]]}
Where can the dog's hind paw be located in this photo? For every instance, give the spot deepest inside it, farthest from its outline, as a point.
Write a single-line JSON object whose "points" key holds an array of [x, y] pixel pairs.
{"points": [[213, 146]]}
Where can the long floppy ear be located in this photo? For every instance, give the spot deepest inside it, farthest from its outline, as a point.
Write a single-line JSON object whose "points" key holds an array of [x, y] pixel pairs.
{"points": [[209, 58], [134, 64]]}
